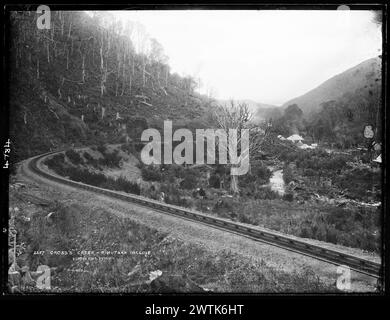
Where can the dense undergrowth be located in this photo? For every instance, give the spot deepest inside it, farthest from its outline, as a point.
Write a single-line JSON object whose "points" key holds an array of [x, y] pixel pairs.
{"points": [[58, 165], [84, 233], [189, 187]]}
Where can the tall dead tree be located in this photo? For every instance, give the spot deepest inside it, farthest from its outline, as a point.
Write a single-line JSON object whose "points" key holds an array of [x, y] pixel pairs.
{"points": [[238, 116]]}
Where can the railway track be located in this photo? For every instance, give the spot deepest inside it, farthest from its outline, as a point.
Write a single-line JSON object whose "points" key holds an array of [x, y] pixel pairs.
{"points": [[332, 256]]}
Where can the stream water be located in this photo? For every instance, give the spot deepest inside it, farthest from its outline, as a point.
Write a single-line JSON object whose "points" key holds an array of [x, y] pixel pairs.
{"points": [[276, 182]]}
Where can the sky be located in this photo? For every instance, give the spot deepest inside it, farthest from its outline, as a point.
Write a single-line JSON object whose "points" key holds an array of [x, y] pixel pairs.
{"points": [[268, 56]]}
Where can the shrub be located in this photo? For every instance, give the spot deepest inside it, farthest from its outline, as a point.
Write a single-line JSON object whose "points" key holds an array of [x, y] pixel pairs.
{"points": [[189, 182], [110, 159], [365, 158], [108, 184], [85, 176], [151, 173], [323, 162], [74, 157], [288, 175], [245, 218], [127, 147], [291, 156], [101, 148], [87, 156], [259, 175], [172, 196], [357, 181], [222, 170], [224, 205], [310, 172], [214, 181], [139, 146], [288, 197], [56, 163], [267, 194], [178, 201], [124, 185], [319, 152], [57, 159], [98, 179], [90, 160], [177, 170], [262, 174]]}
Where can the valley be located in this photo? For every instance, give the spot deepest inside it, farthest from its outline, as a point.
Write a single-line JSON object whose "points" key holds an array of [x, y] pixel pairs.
{"points": [[91, 87]]}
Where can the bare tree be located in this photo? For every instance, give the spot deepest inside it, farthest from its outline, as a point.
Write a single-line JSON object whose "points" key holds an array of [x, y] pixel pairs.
{"points": [[142, 41], [238, 116], [104, 51]]}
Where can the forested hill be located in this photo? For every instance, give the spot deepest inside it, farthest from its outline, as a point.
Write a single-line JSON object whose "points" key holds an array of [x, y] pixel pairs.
{"points": [[365, 75], [86, 80], [338, 110]]}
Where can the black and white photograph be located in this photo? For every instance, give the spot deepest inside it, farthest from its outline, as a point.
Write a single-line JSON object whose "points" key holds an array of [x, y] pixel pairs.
{"points": [[194, 151]]}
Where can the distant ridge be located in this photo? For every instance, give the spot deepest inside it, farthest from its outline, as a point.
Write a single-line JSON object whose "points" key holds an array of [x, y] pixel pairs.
{"points": [[348, 81], [252, 105]]}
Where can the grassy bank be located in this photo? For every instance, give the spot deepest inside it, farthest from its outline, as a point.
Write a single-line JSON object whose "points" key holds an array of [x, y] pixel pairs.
{"points": [[357, 227], [86, 235]]}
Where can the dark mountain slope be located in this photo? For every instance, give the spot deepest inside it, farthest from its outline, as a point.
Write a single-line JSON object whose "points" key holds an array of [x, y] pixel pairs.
{"points": [[79, 82], [363, 75]]}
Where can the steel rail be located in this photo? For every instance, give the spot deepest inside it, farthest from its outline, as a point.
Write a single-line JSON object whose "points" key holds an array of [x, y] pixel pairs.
{"points": [[318, 252]]}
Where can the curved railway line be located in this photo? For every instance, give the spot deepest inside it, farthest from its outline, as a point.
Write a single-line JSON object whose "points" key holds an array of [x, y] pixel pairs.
{"points": [[332, 256]]}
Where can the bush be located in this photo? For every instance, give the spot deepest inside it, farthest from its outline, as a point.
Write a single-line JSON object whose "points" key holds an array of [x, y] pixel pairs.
{"points": [[310, 172], [95, 179], [222, 170], [177, 171], [139, 146], [178, 201], [262, 174], [259, 175], [357, 181], [57, 159], [245, 218], [74, 157], [224, 205], [291, 156], [56, 163], [129, 187], [172, 196], [110, 159], [319, 152], [90, 160], [214, 181], [353, 228], [288, 175], [189, 181], [85, 176], [101, 148], [288, 197], [132, 147], [127, 148], [328, 162], [87, 156], [151, 173], [267, 194]]}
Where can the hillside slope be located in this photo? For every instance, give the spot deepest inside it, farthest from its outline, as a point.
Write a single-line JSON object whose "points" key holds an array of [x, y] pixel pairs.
{"points": [[363, 75], [82, 81]]}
